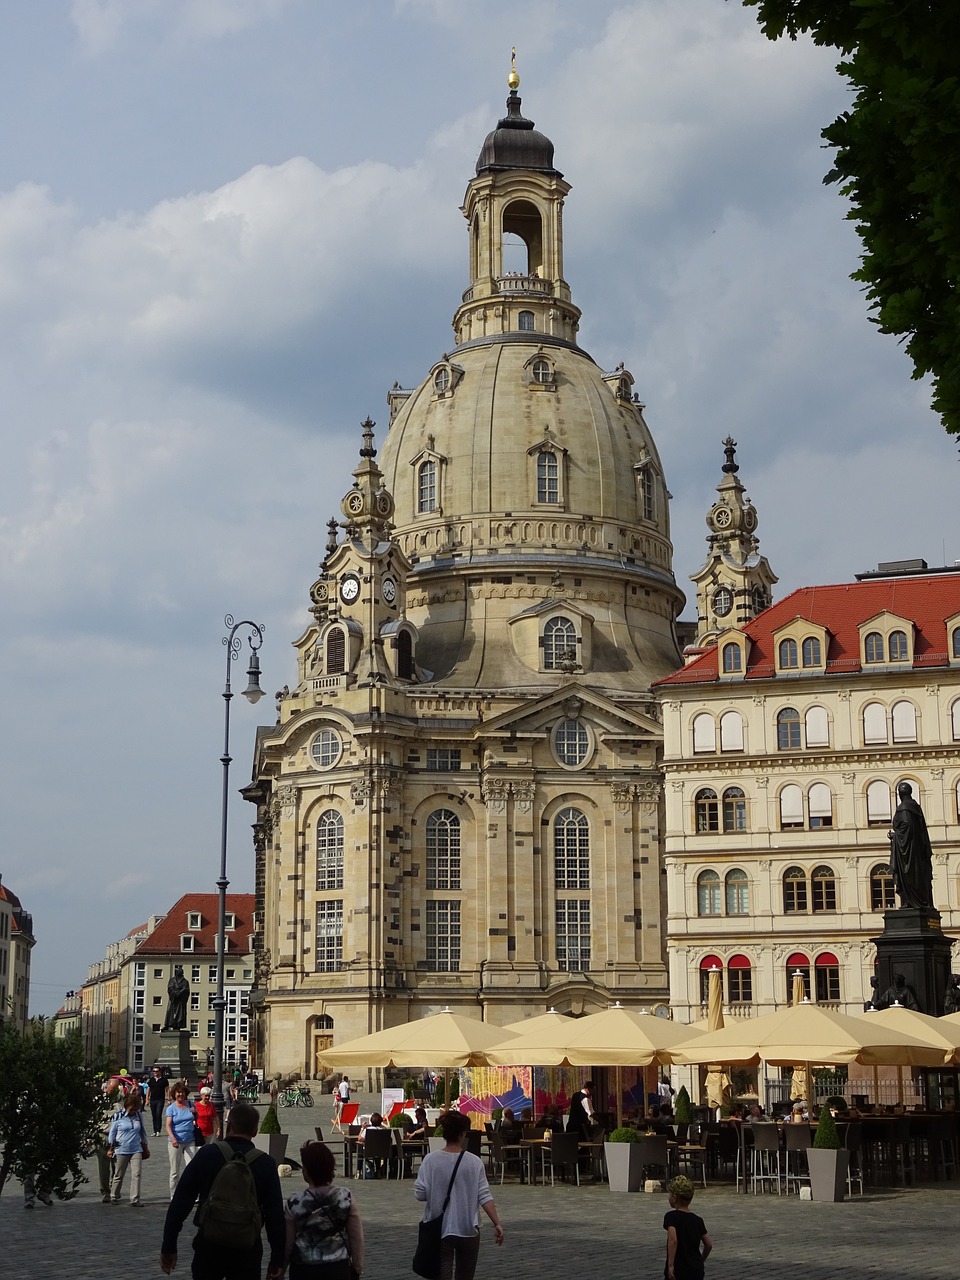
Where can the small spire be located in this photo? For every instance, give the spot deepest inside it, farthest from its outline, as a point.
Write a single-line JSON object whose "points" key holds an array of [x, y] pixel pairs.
{"points": [[731, 466], [368, 451], [332, 527], [513, 79]]}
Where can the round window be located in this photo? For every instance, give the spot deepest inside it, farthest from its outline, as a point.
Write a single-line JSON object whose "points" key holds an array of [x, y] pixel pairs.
{"points": [[441, 380], [326, 748], [722, 602], [571, 743]]}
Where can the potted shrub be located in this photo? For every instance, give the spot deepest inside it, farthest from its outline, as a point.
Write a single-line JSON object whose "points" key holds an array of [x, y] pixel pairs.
{"points": [[826, 1161], [270, 1139], [682, 1111], [622, 1154], [409, 1089]]}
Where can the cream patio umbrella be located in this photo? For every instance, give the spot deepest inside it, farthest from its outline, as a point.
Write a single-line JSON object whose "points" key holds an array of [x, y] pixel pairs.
{"points": [[942, 1033], [802, 1082], [717, 1082], [444, 1039], [808, 1033], [542, 1022]]}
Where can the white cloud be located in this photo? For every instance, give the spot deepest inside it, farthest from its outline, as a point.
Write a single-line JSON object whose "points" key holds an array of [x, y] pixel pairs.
{"points": [[100, 23]]}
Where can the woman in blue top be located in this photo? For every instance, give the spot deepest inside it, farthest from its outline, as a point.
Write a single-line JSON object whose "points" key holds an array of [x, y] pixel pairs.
{"points": [[127, 1144], [180, 1120]]}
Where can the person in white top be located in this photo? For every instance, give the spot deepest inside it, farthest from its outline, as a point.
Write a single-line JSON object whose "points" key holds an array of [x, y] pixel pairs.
{"points": [[341, 1096], [460, 1244]]}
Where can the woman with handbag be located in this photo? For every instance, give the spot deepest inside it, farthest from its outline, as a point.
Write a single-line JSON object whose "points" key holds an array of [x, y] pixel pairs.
{"points": [[127, 1146], [454, 1185], [324, 1231], [180, 1122]]}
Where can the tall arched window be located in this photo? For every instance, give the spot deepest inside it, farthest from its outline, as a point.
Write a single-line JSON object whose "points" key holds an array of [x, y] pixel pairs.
{"points": [[955, 714], [731, 730], [336, 652], [559, 643], [794, 891], [704, 732], [788, 729], [816, 727], [904, 718], [404, 655], [874, 724], [826, 969], [708, 893], [879, 812], [823, 889], [548, 476], [798, 963], [526, 322], [707, 810], [427, 486], [898, 646], [571, 850], [820, 806], [739, 980], [732, 658], [737, 889], [330, 850], [873, 647], [788, 655], [734, 809], [791, 806], [706, 964], [811, 652], [443, 850], [882, 896]]}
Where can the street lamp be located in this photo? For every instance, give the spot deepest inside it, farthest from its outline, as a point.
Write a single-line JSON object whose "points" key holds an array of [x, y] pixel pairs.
{"points": [[253, 693]]}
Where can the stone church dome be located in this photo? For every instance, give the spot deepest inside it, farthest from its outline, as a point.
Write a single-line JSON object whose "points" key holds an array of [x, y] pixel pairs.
{"points": [[515, 144]]}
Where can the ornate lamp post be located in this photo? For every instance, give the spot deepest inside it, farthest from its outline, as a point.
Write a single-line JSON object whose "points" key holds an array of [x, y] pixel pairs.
{"points": [[253, 693]]}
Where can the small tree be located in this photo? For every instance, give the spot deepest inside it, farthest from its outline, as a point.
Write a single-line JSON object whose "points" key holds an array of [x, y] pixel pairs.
{"points": [[439, 1096], [51, 1106], [826, 1138], [271, 1121], [682, 1110], [409, 1088]]}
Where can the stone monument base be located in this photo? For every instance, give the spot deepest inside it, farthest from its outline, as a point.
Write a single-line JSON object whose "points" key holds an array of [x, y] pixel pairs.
{"points": [[913, 943], [175, 1056]]}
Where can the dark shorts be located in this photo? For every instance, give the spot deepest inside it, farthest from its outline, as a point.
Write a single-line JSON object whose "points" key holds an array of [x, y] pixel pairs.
{"points": [[211, 1263]]}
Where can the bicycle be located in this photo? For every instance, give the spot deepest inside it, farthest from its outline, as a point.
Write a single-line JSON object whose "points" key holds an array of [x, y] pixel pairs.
{"points": [[295, 1096]]}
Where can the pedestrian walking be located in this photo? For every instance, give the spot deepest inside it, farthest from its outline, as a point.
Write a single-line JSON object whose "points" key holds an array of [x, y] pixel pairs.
{"points": [[127, 1145], [157, 1087], [238, 1189], [180, 1121], [688, 1243], [324, 1231], [341, 1096]]}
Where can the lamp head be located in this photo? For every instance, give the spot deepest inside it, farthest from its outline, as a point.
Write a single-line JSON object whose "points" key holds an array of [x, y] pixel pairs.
{"points": [[253, 693]]}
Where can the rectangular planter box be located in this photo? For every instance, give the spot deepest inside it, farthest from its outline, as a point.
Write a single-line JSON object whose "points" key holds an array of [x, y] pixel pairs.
{"points": [[828, 1173], [275, 1144], [624, 1168]]}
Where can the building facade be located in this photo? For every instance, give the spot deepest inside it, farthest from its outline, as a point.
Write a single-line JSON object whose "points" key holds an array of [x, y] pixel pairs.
{"points": [[784, 743], [16, 943], [460, 803]]}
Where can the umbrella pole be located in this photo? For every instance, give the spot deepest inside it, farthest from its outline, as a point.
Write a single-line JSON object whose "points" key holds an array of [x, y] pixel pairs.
{"points": [[876, 1086], [619, 1099], [900, 1085]]}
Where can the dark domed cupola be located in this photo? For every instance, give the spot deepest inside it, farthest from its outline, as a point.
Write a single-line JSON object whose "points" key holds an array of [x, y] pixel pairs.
{"points": [[516, 144]]}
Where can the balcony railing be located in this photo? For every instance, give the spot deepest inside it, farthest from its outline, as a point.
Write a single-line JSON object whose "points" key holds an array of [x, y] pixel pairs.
{"points": [[533, 285]]}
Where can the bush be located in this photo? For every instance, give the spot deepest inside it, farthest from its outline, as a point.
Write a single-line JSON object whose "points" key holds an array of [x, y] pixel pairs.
{"points": [[409, 1088], [624, 1134], [682, 1110], [826, 1138], [396, 1122], [836, 1102], [496, 1114], [271, 1121], [439, 1097]]}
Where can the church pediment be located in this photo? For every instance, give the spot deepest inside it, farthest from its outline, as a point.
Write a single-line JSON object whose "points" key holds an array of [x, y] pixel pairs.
{"points": [[572, 701]]}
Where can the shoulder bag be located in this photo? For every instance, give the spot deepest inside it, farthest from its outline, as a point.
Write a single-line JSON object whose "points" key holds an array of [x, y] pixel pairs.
{"points": [[426, 1260]]}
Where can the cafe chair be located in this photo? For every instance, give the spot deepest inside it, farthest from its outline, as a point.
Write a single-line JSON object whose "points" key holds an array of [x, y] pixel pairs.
{"points": [[563, 1154], [654, 1156], [797, 1141], [503, 1156], [852, 1144], [692, 1156], [378, 1147], [766, 1157]]}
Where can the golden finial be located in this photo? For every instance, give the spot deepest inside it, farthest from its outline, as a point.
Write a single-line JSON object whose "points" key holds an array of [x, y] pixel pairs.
{"points": [[513, 79]]}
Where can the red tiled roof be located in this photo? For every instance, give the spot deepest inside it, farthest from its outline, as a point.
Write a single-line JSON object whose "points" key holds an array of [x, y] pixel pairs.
{"points": [[926, 601], [165, 939], [8, 896]]}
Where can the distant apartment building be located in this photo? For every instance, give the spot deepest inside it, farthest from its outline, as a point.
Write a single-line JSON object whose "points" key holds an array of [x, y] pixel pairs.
{"points": [[16, 943]]}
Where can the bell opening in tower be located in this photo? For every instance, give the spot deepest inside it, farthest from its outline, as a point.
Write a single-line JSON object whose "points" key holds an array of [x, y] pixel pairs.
{"points": [[522, 220]]}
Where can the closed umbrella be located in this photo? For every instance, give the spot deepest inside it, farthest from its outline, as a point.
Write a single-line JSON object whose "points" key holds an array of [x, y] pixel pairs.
{"points": [[718, 1082], [800, 1086]]}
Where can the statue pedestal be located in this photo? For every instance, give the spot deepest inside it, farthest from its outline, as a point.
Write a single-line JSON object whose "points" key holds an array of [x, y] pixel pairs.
{"points": [[175, 1056], [912, 943]]}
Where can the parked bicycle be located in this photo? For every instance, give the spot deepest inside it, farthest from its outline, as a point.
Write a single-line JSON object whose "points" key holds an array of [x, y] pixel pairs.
{"points": [[297, 1095]]}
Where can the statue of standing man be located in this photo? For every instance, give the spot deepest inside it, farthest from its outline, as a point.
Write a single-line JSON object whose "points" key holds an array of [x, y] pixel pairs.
{"points": [[911, 858], [178, 993]]}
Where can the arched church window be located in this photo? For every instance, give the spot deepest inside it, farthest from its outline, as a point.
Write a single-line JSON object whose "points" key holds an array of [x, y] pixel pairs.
{"points": [[559, 643], [648, 494], [548, 476], [542, 371], [571, 850], [759, 598], [427, 486], [330, 850], [443, 850], [525, 322], [336, 652], [404, 655], [571, 743]]}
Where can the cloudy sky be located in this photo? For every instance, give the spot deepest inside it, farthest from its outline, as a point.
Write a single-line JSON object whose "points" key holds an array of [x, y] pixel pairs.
{"points": [[226, 226]]}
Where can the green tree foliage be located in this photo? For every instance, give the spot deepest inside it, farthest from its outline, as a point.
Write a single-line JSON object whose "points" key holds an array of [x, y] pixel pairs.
{"points": [[896, 160], [270, 1121], [51, 1107], [826, 1138], [682, 1109]]}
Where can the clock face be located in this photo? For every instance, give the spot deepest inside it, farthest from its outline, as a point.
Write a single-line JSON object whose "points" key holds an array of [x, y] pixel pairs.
{"points": [[389, 590], [349, 588]]}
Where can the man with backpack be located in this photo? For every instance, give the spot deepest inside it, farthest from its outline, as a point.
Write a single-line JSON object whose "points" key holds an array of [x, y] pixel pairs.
{"points": [[238, 1188]]}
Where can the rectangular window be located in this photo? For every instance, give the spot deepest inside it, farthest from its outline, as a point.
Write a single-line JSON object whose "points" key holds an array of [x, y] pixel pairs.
{"points": [[193, 920], [211, 1027], [186, 942], [740, 985], [158, 999], [794, 894], [828, 983], [443, 759], [139, 974], [194, 999], [138, 1002], [573, 934], [443, 936], [329, 935], [194, 1027], [158, 973], [230, 921], [195, 973], [212, 973]]}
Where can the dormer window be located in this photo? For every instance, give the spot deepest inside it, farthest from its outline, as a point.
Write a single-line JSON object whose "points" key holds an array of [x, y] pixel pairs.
{"points": [[732, 659], [873, 647], [811, 652], [446, 377], [427, 486], [559, 643], [541, 371], [897, 646], [548, 477], [404, 655], [886, 638], [336, 652], [194, 920], [230, 921], [441, 380], [787, 654], [186, 942]]}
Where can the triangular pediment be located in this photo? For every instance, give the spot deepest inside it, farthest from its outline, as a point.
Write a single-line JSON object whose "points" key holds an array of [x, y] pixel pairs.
{"points": [[556, 604], [609, 718]]}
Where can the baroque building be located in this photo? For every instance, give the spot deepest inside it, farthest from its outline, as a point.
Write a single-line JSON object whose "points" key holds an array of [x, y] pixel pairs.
{"points": [[784, 743], [16, 943], [460, 803]]}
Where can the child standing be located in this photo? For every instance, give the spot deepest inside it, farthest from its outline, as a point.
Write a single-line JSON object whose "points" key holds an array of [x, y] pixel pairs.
{"points": [[686, 1233]]}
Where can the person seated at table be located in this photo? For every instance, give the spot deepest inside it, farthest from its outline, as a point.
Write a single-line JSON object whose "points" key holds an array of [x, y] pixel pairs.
{"points": [[552, 1120], [756, 1115], [797, 1114], [655, 1123], [375, 1122], [509, 1127], [420, 1129], [526, 1115]]}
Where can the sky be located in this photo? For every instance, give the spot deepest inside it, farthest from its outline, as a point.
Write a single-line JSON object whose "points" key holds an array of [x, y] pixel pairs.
{"points": [[227, 226]]}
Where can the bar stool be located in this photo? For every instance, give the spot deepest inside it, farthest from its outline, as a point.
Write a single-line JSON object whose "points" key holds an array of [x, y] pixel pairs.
{"points": [[797, 1140], [852, 1144], [766, 1156]]}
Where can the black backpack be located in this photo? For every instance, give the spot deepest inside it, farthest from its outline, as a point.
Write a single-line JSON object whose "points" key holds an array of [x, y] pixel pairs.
{"points": [[230, 1216]]}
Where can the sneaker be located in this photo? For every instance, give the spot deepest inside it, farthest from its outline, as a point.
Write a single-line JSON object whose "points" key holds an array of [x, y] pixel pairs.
{"points": [[45, 1199], [115, 1200], [135, 1204], [105, 1198], [28, 1204]]}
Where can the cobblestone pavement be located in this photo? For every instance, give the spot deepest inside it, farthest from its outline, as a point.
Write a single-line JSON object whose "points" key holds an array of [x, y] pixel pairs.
{"points": [[560, 1231]]}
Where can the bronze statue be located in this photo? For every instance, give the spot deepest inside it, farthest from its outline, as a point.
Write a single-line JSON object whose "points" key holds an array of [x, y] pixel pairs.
{"points": [[178, 993], [899, 993], [951, 1001], [911, 858]]}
